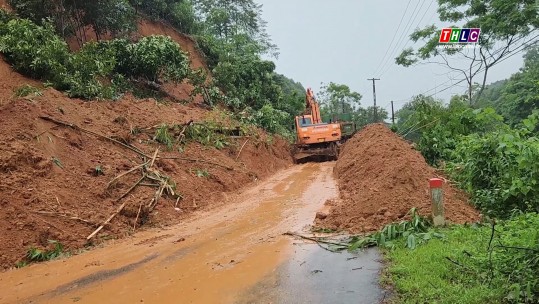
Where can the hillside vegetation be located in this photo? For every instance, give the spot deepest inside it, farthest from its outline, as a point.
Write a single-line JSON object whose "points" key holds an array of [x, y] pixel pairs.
{"points": [[112, 60]]}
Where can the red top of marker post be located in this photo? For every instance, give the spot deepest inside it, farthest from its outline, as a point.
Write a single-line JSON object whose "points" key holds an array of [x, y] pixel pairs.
{"points": [[436, 183]]}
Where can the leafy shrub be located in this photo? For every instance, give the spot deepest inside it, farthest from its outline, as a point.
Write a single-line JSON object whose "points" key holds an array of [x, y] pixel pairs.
{"points": [[506, 258], [5, 16], [98, 70], [207, 134], [438, 141], [500, 169], [273, 120], [158, 58], [90, 72], [35, 50], [514, 258], [39, 255], [202, 173], [414, 232]]}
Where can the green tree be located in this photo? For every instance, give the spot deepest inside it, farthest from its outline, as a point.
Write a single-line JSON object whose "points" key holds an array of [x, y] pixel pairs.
{"points": [[437, 129], [338, 99], [339, 102], [363, 117], [520, 95], [180, 13], [417, 113], [293, 100], [491, 94], [247, 79], [225, 19], [71, 17], [115, 17], [506, 26]]}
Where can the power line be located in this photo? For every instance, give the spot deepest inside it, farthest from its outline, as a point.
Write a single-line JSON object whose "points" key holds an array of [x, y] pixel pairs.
{"points": [[405, 33], [512, 53], [394, 35], [408, 41]]}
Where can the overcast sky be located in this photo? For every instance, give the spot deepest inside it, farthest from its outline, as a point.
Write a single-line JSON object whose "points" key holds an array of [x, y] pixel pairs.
{"points": [[344, 41]]}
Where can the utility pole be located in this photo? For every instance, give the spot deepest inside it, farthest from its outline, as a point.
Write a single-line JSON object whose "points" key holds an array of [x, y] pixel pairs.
{"points": [[374, 94], [392, 113]]}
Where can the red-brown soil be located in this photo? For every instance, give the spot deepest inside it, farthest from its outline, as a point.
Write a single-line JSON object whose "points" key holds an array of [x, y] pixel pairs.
{"points": [[47, 172], [10, 81], [381, 177], [4, 5]]}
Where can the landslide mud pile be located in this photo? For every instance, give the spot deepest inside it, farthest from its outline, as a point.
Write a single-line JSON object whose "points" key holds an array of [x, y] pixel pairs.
{"points": [[381, 177], [54, 180]]}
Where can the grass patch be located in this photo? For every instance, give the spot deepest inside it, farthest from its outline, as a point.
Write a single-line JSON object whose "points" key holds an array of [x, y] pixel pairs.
{"points": [[26, 90], [163, 136], [467, 267], [424, 275]]}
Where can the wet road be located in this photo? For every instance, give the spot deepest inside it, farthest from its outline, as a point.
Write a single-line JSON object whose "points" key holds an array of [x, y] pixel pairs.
{"points": [[314, 275], [235, 254]]}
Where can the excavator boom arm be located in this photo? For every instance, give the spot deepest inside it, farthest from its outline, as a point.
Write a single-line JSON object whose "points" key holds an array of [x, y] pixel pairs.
{"points": [[312, 107]]}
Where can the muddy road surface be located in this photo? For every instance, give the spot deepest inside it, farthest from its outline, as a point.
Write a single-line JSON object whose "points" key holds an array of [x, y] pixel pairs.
{"points": [[235, 253]]}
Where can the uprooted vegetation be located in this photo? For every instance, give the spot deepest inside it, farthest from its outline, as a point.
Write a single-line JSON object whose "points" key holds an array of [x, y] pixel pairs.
{"points": [[81, 171], [67, 173]]}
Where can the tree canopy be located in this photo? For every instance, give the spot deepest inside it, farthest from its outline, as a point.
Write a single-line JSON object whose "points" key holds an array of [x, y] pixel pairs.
{"points": [[507, 26], [339, 102]]}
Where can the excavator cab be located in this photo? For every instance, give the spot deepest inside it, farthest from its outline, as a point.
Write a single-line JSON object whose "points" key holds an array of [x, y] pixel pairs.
{"points": [[316, 138], [305, 121]]}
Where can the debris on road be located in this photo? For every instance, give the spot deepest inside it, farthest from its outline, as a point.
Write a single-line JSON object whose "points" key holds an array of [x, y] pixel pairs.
{"points": [[381, 177]]}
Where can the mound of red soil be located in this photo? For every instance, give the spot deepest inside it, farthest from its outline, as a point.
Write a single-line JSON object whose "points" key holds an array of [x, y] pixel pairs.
{"points": [[49, 186], [381, 177]]}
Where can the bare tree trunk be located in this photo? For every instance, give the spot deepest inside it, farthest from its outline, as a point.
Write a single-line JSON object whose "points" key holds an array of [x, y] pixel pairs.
{"points": [[483, 85]]}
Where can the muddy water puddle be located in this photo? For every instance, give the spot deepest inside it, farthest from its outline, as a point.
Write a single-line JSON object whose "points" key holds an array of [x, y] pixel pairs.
{"points": [[222, 256], [314, 275]]}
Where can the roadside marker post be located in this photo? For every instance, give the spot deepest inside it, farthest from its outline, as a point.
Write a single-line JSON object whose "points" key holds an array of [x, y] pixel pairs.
{"points": [[437, 196]]}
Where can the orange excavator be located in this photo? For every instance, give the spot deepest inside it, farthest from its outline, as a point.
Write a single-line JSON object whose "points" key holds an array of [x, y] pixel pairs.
{"points": [[314, 137]]}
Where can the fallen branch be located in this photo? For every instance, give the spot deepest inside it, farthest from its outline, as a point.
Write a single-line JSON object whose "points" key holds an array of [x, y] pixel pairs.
{"points": [[316, 239], [516, 248], [120, 208], [75, 127], [153, 158], [130, 147], [148, 185], [239, 153], [455, 262], [131, 189], [182, 133], [198, 161], [125, 173], [136, 219], [65, 215]]}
